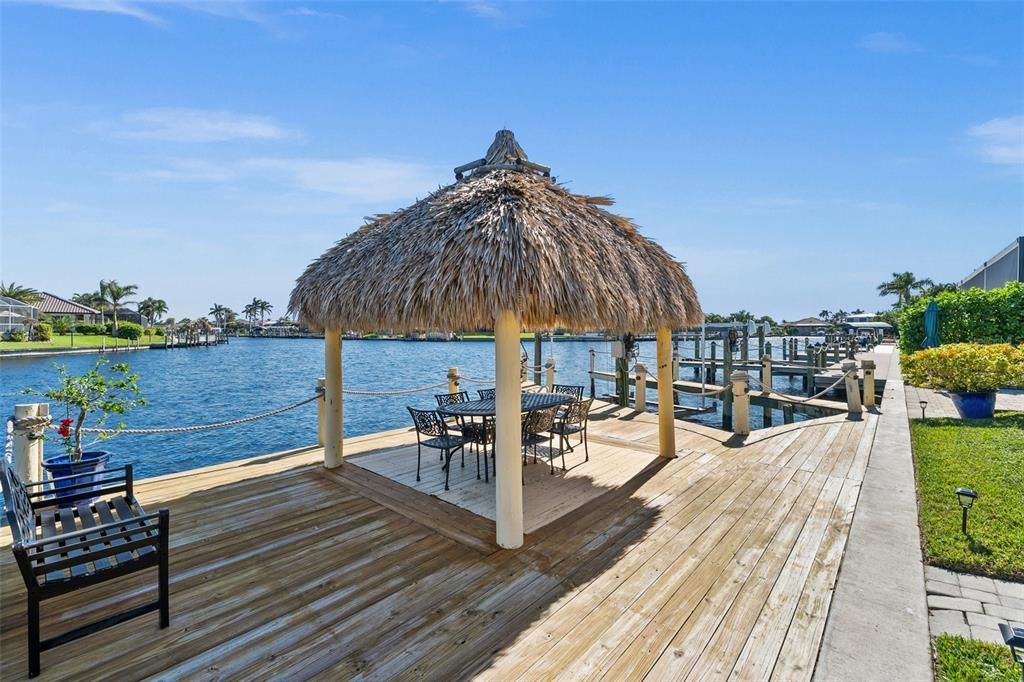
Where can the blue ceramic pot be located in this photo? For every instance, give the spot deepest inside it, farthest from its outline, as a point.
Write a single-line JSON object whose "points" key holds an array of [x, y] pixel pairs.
{"points": [[86, 469], [975, 404]]}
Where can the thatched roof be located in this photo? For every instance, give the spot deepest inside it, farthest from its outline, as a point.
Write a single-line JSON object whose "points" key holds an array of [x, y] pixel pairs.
{"points": [[504, 237]]}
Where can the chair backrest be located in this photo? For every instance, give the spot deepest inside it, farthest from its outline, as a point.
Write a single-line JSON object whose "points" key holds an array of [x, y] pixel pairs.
{"points": [[452, 398], [18, 505], [540, 421], [428, 422], [488, 393], [568, 389], [577, 412]]}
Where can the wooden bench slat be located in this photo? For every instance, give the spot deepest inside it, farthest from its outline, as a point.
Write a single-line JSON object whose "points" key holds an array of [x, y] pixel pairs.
{"points": [[68, 525], [105, 514], [89, 521], [48, 528], [125, 511]]}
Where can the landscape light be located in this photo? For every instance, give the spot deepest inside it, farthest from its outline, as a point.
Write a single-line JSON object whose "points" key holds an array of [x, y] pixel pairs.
{"points": [[966, 497], [1014, 638], [924, 404]]}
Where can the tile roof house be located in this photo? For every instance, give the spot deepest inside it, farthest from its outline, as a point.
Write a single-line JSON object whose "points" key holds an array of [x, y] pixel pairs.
{"points": [[52, 305]]}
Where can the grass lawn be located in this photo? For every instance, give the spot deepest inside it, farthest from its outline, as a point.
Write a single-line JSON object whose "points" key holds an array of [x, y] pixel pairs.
{"points": [[81, 341], [969, 660], [988, 456]]}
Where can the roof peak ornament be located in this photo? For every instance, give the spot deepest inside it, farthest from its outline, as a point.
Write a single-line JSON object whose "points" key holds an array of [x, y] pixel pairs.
{"points": [[504, 153]]}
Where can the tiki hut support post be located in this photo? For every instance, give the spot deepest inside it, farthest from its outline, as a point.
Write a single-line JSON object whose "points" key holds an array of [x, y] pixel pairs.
{"points": [[666, 409], [332, 398], [508, 434]]}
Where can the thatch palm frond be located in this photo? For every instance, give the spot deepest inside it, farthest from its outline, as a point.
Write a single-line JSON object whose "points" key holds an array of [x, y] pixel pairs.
{"points": [[505, 237]]}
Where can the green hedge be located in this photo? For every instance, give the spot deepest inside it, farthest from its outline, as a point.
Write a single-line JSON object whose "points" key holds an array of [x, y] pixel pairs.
{"points": [[44, 332], [968, 316], [129, 330]]}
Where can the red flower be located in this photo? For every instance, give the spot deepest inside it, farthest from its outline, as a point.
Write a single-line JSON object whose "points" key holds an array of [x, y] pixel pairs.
{"points": [[65, 427]]}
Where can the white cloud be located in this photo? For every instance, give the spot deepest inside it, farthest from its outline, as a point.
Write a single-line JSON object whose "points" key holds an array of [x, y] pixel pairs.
{"points": [[888, 43], [1000, 141], [485, 9], [354, 181], [126, 8], [195, 125]]}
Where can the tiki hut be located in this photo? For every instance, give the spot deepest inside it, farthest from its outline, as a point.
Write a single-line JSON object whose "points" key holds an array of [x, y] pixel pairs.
{"points": [[503, 247]]}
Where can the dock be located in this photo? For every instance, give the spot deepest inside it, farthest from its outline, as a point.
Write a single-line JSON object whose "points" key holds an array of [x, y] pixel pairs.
{"points": [[719, 563]]}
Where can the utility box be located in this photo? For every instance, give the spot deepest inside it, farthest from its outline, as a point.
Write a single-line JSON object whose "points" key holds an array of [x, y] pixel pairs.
{"points": [[618, 349]]}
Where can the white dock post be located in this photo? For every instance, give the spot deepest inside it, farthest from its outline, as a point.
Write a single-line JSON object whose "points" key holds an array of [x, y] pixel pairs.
{"points": [[549, 374], [508, 491], [321, 411], [852, 387], [335, 419], [868, 367], [675, 366], [593, 368], [453, 379], [766, 372], [740, 403], [640, 395], [666, 408], [28, 444]]}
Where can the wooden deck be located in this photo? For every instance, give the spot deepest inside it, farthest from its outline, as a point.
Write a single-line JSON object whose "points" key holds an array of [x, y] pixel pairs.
{"points": [[717, 564]]}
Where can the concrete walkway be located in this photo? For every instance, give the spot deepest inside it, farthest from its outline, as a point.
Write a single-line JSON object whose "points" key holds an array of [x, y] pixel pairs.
{"points": [[941, 405], [972, 605], [877, 626]]}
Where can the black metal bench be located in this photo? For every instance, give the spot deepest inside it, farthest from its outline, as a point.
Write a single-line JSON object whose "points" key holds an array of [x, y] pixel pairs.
{"points": [[64, 541]]}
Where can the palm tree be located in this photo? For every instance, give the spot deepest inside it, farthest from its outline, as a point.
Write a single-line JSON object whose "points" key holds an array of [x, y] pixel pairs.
{"points": [[152, 308], [825, 315], [93, 300], [902, 285], [115, 294], [20, 293], [250, 314], [218, 312]]}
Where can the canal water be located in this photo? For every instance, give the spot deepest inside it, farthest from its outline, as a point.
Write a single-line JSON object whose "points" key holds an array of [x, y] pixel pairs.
{"points": [[189, 386]]}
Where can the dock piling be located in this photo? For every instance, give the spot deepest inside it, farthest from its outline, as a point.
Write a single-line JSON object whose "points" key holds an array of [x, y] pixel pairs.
{"points": [[853, 402], [593, 368], [640, 392], [453, 379], [741, 402], [868, 367]]}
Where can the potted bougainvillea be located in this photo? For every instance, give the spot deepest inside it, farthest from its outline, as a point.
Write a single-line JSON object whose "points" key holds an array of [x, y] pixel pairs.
{"points": [[89, 400]]}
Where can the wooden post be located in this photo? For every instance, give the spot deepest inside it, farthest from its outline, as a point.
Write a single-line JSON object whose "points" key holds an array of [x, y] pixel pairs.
{"points": [[868, 367], [675, 366], [727, 396], [640, 395], [593, 368], [835, 351], [809, 376], [321, 411], [453, 379], [622, 380], [675, 376], [538, 351], [550, 379], [787, 413], [508, 491], [852, 387], [711, 367], [335, 420], [785, 349], [760, 340], [741, 403], [666, 394], [28, 442], [745, 348], [766, 387]]}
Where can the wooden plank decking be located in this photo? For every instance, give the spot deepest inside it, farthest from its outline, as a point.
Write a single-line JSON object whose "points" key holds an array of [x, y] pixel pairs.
{"points": [[717, 564]]}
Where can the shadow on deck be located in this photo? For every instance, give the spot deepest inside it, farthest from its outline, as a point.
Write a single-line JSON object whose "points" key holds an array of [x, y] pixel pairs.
{"points": [[719, 562]]}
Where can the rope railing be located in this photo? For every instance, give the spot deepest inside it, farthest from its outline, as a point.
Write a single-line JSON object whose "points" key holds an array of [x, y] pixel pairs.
{"points": [[399, 391], [810, 397], [702, 394]]}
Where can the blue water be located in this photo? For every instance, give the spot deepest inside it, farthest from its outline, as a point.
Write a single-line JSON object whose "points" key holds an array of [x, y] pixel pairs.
{"points": [[187, 386]]}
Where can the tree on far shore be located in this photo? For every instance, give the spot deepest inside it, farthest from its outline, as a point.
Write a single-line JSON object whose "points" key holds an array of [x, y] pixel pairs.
{"points": [[903, 285], [20, 293]]}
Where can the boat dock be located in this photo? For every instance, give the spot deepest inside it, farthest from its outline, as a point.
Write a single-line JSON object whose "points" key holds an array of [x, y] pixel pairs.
{"points": [[719, 563]]}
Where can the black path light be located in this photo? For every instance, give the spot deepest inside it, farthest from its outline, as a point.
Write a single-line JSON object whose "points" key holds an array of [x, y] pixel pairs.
{"points": [[924, 404], [966, 497], [1014, 638]]}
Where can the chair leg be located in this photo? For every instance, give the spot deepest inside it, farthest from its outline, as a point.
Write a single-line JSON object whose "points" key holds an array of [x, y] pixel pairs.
{"points": [[447, 456], [478, 465], [586, 448], [33, 635], [419, 449], [163, 572]]}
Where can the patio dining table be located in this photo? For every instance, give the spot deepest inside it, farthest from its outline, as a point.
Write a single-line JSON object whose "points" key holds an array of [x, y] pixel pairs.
{"points": [[486, 408]]}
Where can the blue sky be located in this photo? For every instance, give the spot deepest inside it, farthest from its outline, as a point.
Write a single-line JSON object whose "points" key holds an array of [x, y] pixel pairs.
{"points": [[793, 155]]}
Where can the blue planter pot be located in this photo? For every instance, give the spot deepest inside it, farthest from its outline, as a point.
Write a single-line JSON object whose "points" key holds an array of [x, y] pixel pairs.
{"points": [[86, 469], [975, 404]]}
